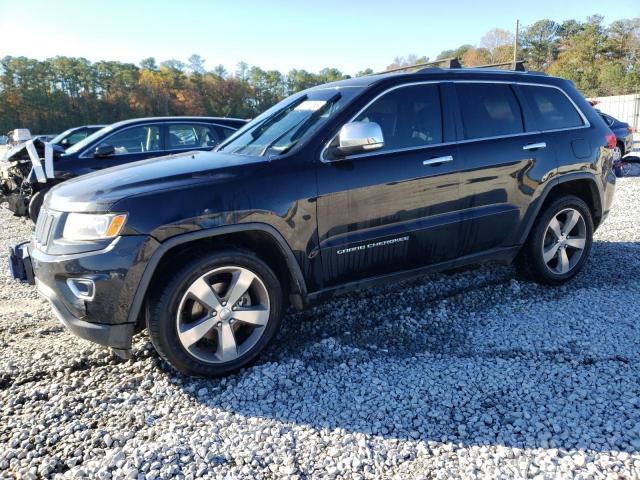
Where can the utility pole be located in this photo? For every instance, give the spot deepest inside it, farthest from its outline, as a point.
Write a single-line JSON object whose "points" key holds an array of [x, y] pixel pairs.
{"points": [[515, 42]]}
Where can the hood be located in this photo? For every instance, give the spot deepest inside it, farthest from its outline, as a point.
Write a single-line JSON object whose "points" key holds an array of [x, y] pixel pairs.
{"points": [[20, 152], [99, 190]]}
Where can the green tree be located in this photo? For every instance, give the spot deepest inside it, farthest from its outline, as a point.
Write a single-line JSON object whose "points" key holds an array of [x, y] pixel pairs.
{"points": [[540, 44]]}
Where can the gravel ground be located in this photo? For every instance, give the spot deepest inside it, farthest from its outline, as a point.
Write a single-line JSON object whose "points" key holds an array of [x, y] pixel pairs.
{"points": [[471, 374]]}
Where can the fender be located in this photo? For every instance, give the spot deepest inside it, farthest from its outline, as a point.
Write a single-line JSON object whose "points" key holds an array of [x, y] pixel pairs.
{"points": [[167, 245], [536, 205]]}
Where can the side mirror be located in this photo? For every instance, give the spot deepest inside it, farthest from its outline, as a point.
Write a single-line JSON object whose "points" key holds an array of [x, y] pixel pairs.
{"points": [[359, 137], [104, 151]]}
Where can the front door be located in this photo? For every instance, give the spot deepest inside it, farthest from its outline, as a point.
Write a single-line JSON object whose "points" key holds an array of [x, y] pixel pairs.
{"points": [[398, 207], [130, 144]]}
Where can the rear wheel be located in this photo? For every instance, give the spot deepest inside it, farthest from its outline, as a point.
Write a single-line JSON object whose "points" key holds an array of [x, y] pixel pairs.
{"points": [[216, 314], [559, 242]]}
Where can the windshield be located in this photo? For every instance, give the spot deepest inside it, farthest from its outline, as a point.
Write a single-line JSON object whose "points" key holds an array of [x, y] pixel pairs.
{"points": [[87, 141], [289, 122], [58, 138]]}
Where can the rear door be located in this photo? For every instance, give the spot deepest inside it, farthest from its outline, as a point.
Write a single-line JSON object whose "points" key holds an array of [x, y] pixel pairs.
{"points": [[504, 158], [563, 125], [398, 207]]}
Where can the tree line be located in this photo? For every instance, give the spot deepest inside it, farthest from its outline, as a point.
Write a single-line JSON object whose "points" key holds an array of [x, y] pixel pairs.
{"points": [[53, 94]]}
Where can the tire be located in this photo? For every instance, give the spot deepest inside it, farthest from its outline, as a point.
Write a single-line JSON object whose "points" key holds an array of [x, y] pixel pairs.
{"points": [[35, 204], [561, 263], [194, 297]]}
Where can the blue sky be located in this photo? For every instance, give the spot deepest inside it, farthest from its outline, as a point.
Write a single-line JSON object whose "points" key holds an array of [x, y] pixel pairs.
{"points": [[273, 34]]}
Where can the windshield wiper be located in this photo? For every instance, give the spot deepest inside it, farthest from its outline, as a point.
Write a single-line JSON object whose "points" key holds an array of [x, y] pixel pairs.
{"points": [[259, 129], [302, 124]]}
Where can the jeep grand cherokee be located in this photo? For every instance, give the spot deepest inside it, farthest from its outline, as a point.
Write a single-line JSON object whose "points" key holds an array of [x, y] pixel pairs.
{"points": [[345, 185]]}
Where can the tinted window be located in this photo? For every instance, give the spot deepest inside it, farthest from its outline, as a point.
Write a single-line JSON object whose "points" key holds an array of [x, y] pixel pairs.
{"points": [[140, 139], [409, 116], [195, 135], [76, 137], [551, 108], [489, 110], [225, 132]]}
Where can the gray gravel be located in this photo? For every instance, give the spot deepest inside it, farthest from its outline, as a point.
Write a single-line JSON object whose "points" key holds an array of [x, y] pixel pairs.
{"points": [[471, 374]]}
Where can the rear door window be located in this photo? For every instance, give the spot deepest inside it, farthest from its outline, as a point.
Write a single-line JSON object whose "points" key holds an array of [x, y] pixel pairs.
{"points": [[192, 135], [409, 117], [551, 108], [489, 110]]}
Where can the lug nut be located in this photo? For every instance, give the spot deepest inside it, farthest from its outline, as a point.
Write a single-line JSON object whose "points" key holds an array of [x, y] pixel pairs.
{"points": [[224, 304], [219, 324]]}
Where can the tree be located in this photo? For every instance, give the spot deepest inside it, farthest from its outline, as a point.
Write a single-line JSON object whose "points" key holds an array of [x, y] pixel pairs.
{"points": [[220, 71], [196, 64], [540, 44], [455, 53], [366, 71], [476, 56], [175, 65], [149, 63], [408, 61], [498, 43], [242, 71]]}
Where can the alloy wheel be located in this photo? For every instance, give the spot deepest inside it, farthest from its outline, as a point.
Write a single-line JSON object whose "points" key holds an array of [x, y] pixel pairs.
{"points": [[617, 153], [564, 241], [223, 314]]}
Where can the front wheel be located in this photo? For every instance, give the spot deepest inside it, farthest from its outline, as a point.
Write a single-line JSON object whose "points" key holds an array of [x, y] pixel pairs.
{"points": [[216, 314], [35, 204], [559, 242]]}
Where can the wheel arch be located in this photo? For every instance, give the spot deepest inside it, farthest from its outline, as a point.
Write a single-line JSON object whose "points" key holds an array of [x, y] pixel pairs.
{"points": [[261, 239], [581, 184]]}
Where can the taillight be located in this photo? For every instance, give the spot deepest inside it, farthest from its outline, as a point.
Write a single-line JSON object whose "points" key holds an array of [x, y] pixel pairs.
{"points": [[611, 140], [630, 129]]}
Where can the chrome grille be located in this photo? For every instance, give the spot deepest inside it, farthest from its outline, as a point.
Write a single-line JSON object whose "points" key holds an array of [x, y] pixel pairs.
{"points": [[44, 227]]}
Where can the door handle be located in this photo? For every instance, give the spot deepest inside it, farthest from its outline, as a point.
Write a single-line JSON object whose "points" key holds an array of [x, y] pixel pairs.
{"points": [[436, 160], [535, 146]]}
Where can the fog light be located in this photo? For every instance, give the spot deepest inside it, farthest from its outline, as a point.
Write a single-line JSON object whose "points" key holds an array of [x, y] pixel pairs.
{"points": [[82, 288]]}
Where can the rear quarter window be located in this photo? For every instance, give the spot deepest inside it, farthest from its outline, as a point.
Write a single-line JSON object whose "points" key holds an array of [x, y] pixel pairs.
{"points": [[551, 108]]}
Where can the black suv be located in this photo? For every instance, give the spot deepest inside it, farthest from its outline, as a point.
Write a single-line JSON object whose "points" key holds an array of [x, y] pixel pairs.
{"points": [[30, 172], [345, 185]]}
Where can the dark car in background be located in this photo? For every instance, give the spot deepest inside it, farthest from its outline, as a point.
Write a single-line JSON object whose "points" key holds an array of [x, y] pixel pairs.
{"points": [[30, 172], [70, 137], [624, 135], [357, 183]]}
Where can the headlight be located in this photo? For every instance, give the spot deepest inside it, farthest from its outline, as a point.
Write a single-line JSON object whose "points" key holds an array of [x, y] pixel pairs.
{"points": [[85, 226]]}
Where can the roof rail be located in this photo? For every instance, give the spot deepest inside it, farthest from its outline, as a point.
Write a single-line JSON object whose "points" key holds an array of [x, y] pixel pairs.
{"points": [[454, 62], [517, 66]]}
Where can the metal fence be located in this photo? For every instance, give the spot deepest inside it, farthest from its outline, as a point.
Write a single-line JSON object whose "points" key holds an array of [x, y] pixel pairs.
{"points": [[623, 107]]}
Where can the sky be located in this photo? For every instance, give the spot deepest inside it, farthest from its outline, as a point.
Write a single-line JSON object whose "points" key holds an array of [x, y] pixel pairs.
{"points": [[350, 35]]}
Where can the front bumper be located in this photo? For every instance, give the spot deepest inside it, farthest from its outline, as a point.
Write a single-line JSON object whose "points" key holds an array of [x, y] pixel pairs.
{"points": [[114, 272], [117, 337]]}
